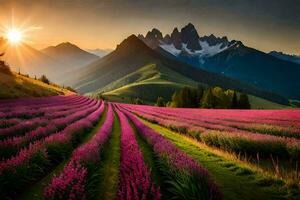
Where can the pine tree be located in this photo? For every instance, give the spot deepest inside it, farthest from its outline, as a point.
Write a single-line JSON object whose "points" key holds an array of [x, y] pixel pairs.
{"points": [[234, 102], [243, 102], [44, 79]]}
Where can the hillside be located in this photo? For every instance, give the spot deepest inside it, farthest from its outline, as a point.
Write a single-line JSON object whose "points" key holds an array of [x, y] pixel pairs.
{"points": [[144, 81], [15, 86], [164, 82], [119, 70], [128, 57]]}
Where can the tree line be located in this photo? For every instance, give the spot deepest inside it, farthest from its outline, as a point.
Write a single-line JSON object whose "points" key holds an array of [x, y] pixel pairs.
{"points": [[210, 97]]}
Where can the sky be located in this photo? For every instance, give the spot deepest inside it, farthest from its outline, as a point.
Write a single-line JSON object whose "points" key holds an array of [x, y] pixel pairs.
{"points": [[263, 24]]}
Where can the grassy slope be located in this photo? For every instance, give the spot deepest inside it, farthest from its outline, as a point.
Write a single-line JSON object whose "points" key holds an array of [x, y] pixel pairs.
{"points": [[153, 80], [35, 191], [109, 170], [19, 86], [236, 181], [148, 83], [260, 103]]}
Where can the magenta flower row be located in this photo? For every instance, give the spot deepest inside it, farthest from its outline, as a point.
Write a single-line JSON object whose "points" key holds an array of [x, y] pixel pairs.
{"points": [[135, 182], [71, 183], [179, 162]]}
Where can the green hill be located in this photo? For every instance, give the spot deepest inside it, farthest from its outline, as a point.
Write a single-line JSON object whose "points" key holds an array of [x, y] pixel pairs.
{"points": [[147, 83], [15, 86]]}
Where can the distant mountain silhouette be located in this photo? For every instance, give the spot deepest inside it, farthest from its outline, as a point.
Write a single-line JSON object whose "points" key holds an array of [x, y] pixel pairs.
{"points": [[70, 54], [54, 61], [286, 57], [99, 52]]}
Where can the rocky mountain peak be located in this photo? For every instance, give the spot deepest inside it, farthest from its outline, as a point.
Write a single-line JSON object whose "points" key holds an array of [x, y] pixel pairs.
{"points": [[189, 36]]}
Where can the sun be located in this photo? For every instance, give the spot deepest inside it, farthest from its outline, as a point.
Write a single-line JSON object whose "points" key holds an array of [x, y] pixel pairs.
{"points": [[14, 36]]}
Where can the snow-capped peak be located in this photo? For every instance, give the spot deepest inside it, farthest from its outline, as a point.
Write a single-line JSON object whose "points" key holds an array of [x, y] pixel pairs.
{"points": [[205, 51]]}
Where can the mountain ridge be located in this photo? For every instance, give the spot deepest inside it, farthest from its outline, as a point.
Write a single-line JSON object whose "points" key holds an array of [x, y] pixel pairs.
{"points": [[132, 54], [70, 54], [228, 58], [286, 57]]}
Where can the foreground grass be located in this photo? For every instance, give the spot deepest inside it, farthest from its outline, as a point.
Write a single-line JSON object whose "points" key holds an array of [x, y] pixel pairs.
{"points": [[36, 191], [235, 180], [109, 170]]}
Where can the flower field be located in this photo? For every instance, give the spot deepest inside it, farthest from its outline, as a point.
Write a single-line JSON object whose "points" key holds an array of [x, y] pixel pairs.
{"points": [[58, 147]]}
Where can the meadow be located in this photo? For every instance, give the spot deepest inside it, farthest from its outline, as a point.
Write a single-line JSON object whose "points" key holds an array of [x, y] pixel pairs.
{"points": [[76, 147]]}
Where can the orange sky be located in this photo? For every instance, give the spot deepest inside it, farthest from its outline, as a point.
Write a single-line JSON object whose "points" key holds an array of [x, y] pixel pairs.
{"points": [[104, 24]]}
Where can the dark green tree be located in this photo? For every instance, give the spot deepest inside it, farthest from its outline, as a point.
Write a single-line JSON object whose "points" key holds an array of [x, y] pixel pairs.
{"points": [[208, 99], [44, 79], [160, 102], [243, 102], [234, 101]]}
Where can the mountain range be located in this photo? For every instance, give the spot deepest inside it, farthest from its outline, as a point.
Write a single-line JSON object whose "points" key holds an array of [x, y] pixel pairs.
{"points": [[54, 61], [155, 65], [229, 58], [136, 70]]}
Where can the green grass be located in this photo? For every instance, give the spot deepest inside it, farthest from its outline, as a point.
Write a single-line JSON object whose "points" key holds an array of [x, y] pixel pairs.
{"points": [[15, 86], [235, 181], [36, 190], [161, 81], [109, 169], [260, 103]]}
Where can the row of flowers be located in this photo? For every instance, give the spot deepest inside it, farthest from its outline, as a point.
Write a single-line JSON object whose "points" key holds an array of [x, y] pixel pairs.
{"points": [[74, 182], [185, 178], [35, 160], [135, 181], [26, 125], [218, 123], [12, 145], [38, 109], [233, 141], [18, 125], [16, 104]]}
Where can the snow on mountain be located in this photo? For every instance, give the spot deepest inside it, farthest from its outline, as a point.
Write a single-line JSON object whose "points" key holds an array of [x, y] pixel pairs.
{"points": [[187, 43], [206, 49], [171, 49]]}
